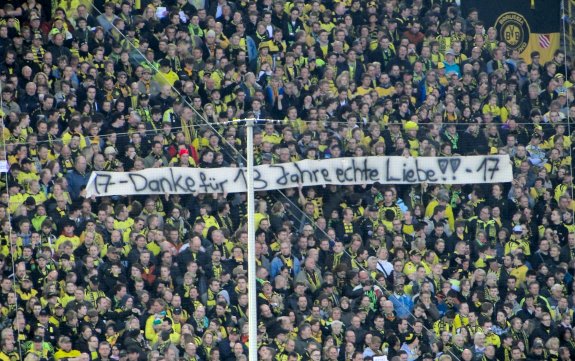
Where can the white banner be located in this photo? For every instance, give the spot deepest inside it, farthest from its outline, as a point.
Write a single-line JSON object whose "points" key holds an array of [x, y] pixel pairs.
{"points": [[341, 171]]}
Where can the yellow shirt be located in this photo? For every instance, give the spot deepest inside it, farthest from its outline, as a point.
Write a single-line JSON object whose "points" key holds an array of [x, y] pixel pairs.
{"points": [[65, 300], [559, 191], [327, 26], [362, 91], [210, 221], [385, 92], [448, 213], [258, 218], [75, 241], [495, 111], [168, 78], [550, 143], [273, 138], [514, 244], [123, 225], [409, 268], [125, 249], [67, 137], [15, 201], [460, 321], [61, 354], [154, 248], [38, 197], [27, 177], [520, 273], [174, 338], [492, 339]]}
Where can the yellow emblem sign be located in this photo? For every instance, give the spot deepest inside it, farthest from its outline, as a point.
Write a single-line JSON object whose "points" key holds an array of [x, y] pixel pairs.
{"points": [[513, 29]]}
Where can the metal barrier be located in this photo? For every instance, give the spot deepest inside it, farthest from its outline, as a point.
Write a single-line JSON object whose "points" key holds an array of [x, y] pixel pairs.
{"points": [[568, 33]]}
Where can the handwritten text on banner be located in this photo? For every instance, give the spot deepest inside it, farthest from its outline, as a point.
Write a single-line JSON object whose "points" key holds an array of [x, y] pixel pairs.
{"points": [[342, 171]]}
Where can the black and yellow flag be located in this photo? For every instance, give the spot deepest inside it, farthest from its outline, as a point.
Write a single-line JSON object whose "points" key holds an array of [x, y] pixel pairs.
{"points": [[526, 25]]}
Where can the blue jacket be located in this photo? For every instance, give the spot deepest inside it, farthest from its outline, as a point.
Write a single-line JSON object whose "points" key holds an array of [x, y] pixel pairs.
{"points": [[452, 68], [277, 265], [402, 304], [76, 182]]}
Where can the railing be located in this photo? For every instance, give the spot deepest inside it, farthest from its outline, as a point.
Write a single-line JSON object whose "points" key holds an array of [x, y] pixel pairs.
{"points": [[568, 31]]}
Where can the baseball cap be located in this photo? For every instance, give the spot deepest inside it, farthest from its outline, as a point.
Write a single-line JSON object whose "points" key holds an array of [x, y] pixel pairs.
{"points": [[409, 337], [538, 344], [133, 349], [14, 184], [112, 249], [109, 150], [443, 196], [414, 252]]}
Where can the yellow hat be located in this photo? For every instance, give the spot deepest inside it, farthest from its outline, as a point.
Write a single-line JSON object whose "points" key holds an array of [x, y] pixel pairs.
{"points": [[411, 125]]}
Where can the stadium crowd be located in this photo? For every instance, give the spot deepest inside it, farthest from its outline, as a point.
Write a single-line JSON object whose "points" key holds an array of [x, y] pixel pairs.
{"points": [[421, 272]]}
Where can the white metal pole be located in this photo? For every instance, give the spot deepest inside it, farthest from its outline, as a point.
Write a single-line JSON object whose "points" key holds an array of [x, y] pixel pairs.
{"points": [[252, 282]]}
